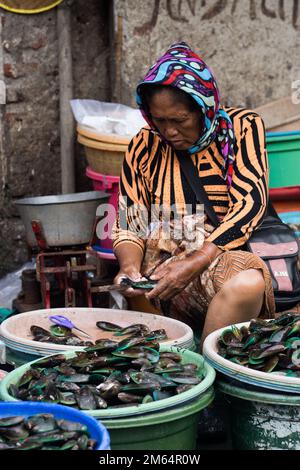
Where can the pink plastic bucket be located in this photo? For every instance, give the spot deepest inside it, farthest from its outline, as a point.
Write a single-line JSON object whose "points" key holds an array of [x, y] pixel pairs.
{"points": [[109, 184]]}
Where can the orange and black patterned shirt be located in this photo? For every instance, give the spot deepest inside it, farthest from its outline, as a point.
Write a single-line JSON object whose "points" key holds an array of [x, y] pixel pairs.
{"points": [[151, 174]]}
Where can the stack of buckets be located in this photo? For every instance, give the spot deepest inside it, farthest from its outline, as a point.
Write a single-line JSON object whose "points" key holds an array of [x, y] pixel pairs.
{"points": [[284, 161], [263, 419], [104, 154]]}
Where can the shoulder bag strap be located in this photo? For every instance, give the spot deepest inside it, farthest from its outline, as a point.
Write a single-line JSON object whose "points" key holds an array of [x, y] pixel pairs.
{"points": [[195, 182]]}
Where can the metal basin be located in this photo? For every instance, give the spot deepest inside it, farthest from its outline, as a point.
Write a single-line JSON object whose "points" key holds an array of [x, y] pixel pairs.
{"points": [[66, 219]]}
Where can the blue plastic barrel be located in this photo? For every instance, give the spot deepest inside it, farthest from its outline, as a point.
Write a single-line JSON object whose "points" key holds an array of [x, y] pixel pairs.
{"points": [[95, 429]]}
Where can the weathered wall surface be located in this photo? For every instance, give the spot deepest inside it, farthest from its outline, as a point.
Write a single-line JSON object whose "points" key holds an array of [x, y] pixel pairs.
{"points": [[30, 158], [91, 68], [251, 45]]}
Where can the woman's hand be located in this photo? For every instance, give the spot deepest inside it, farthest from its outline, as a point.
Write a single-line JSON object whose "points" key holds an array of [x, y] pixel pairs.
{"points": [[130, 260], [173, 278], [134, 276]]}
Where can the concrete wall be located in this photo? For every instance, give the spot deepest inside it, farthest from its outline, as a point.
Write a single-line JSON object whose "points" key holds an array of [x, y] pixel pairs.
{"points": [[29, 121], [251, 45]]}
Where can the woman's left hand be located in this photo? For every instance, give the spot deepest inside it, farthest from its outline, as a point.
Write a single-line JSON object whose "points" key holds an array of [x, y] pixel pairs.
{"points": [[173, 278]]}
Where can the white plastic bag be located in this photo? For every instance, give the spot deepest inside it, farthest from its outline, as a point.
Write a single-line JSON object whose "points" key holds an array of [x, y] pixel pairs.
{"points": [[11, 284], [108, 118]]}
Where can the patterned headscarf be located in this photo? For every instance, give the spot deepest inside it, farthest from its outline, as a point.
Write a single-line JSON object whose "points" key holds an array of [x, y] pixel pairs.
{"points": [[182, 68]]}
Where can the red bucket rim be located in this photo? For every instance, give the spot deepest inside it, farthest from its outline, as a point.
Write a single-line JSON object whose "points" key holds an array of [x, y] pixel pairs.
{"points": [[286, 192]]}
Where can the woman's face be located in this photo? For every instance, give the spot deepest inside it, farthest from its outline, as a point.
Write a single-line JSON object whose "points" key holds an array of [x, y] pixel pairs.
{"points": [[174, 121]]}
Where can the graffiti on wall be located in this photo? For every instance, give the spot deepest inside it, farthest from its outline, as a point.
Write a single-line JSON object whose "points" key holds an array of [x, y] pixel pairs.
{"points": [[182, 10]]}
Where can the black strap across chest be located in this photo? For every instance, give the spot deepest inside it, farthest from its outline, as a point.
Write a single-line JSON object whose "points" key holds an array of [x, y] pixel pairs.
{"points": [[195, 182]]}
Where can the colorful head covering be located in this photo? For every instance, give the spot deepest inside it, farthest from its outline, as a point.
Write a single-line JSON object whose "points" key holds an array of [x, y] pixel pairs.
{"points": [[182, 68]]}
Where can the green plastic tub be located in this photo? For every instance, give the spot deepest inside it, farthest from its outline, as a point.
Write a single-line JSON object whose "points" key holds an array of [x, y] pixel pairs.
{"points": [[284, 158], [162, 425], [173, 429], [261, 419], [19, 358]]}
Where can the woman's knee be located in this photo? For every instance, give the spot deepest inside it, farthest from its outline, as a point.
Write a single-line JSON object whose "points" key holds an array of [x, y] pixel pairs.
{"points": [[244, 286]]}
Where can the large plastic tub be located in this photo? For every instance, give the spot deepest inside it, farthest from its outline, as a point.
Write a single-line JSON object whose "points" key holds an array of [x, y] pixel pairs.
{"points": [[21, 348], [247, 375], [95, 429], [174, 429], [169, 424], [284, 158], [261, 419]]}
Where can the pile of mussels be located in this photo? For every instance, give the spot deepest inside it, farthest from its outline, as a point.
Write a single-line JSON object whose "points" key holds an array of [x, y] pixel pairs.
{"points": [[58, 335], [43, 432], [109, 373], [267, 346]]}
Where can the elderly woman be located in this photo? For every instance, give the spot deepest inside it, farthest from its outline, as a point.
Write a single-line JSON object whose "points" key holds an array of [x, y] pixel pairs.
{"points": [[211, 282]]}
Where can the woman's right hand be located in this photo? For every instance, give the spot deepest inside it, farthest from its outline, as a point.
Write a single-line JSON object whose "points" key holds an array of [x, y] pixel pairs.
{"points": [[134, 276], [130, 259]]}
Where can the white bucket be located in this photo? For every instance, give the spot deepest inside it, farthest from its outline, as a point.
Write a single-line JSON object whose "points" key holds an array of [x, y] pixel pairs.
{"points": [[21, 348]]}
